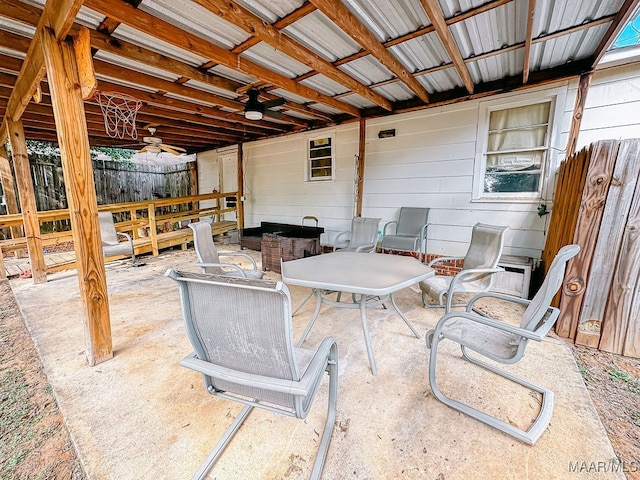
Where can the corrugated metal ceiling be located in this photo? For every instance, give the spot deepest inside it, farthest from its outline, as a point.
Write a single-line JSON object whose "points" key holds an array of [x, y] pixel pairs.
{"points": [[402, 42]]}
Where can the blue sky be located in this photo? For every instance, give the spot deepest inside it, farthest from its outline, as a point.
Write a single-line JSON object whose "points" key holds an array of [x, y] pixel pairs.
{"points": [[630, 34]]}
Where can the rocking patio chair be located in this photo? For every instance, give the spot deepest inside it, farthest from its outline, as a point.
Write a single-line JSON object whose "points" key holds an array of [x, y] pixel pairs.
{"points": [[241, 333], [503, 343]]}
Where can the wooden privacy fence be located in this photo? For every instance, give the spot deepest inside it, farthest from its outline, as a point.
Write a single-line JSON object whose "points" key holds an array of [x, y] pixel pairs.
{"points": [[153, 224], [116, 182], [597, 206]]}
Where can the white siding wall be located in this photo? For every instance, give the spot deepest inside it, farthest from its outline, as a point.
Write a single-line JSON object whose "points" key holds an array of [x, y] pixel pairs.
{"points": [[430, 162], [208, 174], [612, 110]]}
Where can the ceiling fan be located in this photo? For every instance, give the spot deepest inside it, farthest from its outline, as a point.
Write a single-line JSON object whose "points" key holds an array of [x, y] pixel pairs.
{"points": [[254, 109], [155, 145]]}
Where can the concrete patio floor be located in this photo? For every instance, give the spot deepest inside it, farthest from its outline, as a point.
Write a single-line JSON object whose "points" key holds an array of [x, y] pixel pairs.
{"points": [[142, 416]]}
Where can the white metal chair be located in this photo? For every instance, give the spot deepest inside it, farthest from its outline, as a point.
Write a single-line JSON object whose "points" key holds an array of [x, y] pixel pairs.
{"points": [[362, 237], [241, 333], [503, 343], [480, 263], [209, 258], [410, 231], [111, 245]]}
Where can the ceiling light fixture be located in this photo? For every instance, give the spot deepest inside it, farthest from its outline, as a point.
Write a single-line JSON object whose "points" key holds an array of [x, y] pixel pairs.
{"points": [[253, 108]]}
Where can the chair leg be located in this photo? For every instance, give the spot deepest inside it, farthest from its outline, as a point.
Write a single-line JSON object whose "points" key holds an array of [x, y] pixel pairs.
{"points": [[313, 319], [321, 457], [204, 468], [529, 436]]}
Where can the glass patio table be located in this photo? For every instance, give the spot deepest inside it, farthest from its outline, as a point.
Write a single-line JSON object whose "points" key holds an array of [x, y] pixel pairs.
{"points": [[374, 277]]}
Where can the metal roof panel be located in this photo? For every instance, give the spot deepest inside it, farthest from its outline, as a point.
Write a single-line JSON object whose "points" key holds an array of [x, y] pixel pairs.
{"points": [[267, 56], [316, 32], [193, 18], [136, 37]]}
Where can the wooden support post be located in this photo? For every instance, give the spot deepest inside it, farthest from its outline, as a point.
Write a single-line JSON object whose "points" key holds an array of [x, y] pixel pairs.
{"points": [[360, 167], [240, 193], [578, 109], [153, 229], [8, 189], [193, 182], [71, 127], [3, 269], [27, 201]]}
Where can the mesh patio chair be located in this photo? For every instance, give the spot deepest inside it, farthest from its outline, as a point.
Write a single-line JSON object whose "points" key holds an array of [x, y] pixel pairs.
{"points": [[503, 343], [241, 333], [480, 263], [209, 258], [361, 238], [111, 245], [410, 231]]}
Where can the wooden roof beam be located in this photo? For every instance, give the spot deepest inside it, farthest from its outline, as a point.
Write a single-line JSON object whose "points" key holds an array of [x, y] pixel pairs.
{"points": [[58, 15], [616, 26], [343, 18], [527, 42], [243, 18], [162, 30], [435, 14]]}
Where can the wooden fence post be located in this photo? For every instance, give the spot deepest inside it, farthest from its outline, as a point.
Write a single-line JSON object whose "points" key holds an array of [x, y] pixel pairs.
{"points": [[153, 229]]}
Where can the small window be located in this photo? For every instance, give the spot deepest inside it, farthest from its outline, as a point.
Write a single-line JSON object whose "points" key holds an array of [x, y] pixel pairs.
{"points": [[517, 142], [320, 161]]}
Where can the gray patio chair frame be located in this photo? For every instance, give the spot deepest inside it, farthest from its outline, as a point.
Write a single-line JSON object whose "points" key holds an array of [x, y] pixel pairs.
{"points": [[362, 237], [242, 335], [479, 265], [410, 232], [111, 245], [209, 257], [503, 343]]}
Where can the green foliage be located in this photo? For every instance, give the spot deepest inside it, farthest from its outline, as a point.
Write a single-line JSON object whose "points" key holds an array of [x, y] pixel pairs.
{"points": [[50, 150]]}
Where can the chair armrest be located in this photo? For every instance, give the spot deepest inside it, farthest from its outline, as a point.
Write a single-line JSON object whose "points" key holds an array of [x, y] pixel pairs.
{"points": [[384, 229], [240, 254], [465, 273], [325, 353], [443, 259], [338, 239], [222, 265], [369, 247], [490, 322], [500, 296], [125, 235]]}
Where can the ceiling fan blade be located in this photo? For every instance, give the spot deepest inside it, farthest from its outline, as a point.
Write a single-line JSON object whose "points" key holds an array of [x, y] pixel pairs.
{"points": [[169, 149], [144, 149], [180, 149], [273, 114], [274, 103]]}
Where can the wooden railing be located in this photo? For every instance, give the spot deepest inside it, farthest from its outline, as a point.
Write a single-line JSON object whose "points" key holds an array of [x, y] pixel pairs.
{"points": [[153, 224]]}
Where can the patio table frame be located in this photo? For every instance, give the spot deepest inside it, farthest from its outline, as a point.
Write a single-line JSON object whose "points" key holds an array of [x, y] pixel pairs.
{"points": [[375, 277]]}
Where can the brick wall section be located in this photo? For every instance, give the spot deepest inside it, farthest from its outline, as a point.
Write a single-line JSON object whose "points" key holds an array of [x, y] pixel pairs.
{"points": [[449, 268]]}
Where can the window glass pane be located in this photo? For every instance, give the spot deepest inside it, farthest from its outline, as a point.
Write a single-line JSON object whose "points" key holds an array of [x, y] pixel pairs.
{"points": [[320, 142], [508, 162], [323, 162], [512, 182], [517, 139], [320, 152], [321, 172], [520, 116]]}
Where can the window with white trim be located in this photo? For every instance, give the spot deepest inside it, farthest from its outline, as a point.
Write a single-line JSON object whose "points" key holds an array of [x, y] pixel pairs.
{"points": [[515, 151], [320, 159]]}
